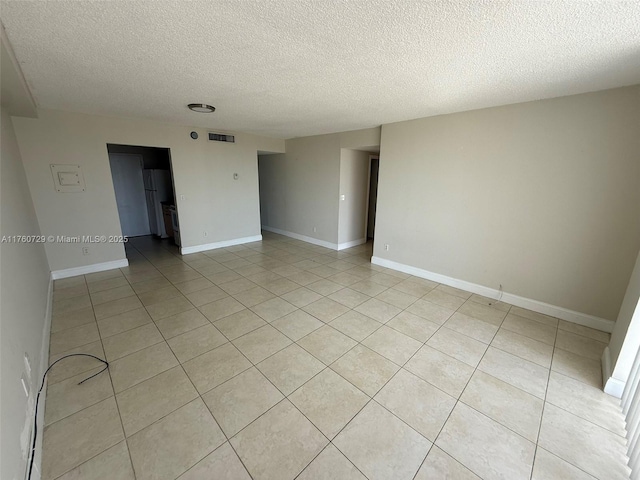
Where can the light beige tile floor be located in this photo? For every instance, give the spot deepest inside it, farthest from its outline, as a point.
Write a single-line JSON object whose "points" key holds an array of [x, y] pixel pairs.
{"points": [[280, 360]]}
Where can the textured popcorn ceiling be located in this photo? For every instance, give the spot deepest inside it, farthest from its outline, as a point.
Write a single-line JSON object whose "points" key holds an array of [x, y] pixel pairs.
{"points": [[295, 68]]}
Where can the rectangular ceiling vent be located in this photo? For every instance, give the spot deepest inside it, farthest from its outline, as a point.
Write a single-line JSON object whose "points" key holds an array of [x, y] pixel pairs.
{"points": [[220, 137]]}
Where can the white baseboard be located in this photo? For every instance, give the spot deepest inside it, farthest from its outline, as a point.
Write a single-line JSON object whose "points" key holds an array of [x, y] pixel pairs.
{"points": [[316, 241], [612, 386], [86, 269], [304, 238], [528, 303], [224, 243], [353, 243]]}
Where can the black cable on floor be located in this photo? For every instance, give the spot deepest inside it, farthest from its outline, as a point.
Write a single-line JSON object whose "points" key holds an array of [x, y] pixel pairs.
{"points": [[44, 376]]}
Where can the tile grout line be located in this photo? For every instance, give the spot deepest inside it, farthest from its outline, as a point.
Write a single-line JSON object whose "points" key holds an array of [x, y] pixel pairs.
{"points": [[125, 438], [255, 365], [544, 404], [457, 399], [199, 396], [372, 398], [115, 398], [286, 397]]}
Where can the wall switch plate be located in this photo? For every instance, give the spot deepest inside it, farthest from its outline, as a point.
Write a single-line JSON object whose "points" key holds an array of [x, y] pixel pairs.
{"points": [[386, 247], [315, 230], [68, 179]]}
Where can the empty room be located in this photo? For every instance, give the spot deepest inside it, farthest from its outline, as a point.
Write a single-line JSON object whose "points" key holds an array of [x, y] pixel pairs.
{"points": [[320, 240]]}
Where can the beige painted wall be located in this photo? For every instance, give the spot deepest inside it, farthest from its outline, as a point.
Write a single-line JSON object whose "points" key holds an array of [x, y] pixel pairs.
{"points": [[354, 185], [541, 197], [300, 189], [23, 301], [203, 172]]}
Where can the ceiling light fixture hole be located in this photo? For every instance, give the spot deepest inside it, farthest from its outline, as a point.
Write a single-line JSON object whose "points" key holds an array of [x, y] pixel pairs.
{"points": [[201, 108]]}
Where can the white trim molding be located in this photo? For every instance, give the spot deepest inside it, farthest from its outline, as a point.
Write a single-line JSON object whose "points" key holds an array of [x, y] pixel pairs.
{"points": [[353, 243], [86, 269], [224, 243], [316, 241], [612, 386], [304, 238], [528, 303]]}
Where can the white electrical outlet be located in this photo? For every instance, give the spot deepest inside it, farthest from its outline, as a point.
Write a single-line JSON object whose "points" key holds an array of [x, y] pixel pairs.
{"points": [[181, 197], [85, 250], [204, 234], [315, 230], [386, 247]]}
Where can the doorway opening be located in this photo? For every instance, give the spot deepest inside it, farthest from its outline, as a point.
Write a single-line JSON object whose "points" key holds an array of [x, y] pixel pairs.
{"points": [[270, 188], [143, 184], [355, 216], [374, 170]]}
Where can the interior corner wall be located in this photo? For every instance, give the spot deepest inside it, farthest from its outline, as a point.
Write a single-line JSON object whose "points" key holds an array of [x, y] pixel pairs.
{"points": [[354, 185], [299, 190], [203, 171], [541, 197], [24, 290]]}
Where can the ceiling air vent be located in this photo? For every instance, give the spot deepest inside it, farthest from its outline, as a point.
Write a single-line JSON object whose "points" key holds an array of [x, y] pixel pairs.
{"points": [[220, 137]]}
